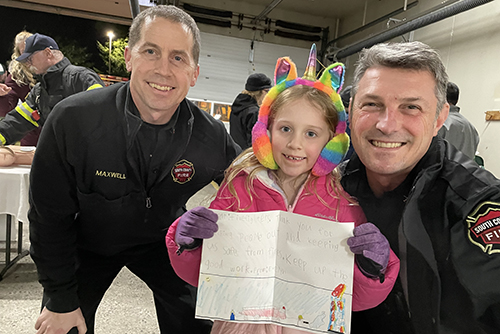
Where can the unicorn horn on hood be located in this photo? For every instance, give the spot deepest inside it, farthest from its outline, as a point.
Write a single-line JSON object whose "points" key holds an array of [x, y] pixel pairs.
{"points": [[310, 73]]}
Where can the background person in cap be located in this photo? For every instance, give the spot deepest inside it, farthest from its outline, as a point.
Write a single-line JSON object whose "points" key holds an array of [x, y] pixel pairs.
{"points": [[19, 80], [57, 79], [245, 108], [17, 86]]}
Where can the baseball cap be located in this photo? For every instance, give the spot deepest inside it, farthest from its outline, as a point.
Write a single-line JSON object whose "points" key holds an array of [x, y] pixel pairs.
{"points": [[37, 42], [258, 81]]}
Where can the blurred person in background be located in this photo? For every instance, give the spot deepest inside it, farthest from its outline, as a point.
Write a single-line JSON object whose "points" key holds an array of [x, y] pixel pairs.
{"points": [[57, 79], [245, 109], [17, 86], [457, 129]]}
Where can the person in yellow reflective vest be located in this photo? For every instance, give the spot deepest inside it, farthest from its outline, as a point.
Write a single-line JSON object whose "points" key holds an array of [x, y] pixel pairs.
{"points": [[57, 79]]}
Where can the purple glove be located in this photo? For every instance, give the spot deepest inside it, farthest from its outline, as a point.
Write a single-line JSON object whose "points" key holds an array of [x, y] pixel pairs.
{"points": [[194, 225], [372, 250]]}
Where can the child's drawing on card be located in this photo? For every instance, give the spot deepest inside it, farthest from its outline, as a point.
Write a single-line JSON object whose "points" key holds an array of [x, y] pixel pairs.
{"points": [[337, 310], [291, 291]]}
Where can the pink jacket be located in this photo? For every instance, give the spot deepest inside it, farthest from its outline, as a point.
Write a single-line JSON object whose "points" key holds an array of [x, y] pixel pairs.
{"points": [[367, 292]]}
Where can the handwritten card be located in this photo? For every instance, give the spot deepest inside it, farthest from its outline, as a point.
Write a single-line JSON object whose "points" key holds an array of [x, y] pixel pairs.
{"points": [[278, 267]]}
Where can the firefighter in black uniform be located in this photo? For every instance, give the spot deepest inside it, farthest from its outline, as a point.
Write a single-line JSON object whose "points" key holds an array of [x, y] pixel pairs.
{"points": [[113, 169], [57, 79], [438, 209]]}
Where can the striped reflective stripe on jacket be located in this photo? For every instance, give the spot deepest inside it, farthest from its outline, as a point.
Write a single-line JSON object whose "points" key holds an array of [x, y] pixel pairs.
{"points": [[25, 110], [94, 86]]}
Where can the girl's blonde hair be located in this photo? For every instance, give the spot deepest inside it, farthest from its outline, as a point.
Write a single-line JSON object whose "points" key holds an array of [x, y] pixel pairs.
{"points": [[18, 71], [247, 158]]}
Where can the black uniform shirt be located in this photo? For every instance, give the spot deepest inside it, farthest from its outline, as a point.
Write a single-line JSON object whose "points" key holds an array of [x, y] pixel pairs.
{"points": [[154, 142], [385, 212]]}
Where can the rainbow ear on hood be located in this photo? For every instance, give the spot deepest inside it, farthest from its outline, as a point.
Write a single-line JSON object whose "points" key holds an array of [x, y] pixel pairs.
{"points": [[285, 70], [330, 82], [333, 75]]}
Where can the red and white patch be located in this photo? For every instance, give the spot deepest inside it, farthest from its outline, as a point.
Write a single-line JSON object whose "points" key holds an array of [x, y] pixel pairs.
{"points": [[484, 227], [182, 172]]}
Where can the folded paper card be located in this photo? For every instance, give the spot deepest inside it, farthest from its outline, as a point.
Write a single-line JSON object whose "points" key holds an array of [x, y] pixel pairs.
{"points": [[278, 267]]}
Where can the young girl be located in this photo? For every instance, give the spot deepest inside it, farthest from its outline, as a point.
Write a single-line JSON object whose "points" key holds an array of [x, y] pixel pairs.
{"points": [[298, 140]]}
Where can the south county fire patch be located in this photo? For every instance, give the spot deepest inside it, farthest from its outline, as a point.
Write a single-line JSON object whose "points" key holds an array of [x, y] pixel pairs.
{"points": [[182, 171], [484, 227]]}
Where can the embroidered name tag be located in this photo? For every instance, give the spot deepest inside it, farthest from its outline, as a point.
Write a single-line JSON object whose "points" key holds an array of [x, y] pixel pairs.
{"points": [[110, 174], [484, 227]]}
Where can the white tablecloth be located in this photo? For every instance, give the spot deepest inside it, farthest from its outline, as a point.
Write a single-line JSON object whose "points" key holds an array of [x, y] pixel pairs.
{"points": [[14, 190]]}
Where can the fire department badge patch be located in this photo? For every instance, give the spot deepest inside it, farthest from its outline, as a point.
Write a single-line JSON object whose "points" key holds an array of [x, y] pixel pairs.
{"points": [[182, 171], [484, 227]]}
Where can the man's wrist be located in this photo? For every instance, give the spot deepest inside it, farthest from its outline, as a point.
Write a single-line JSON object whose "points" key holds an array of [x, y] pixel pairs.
{"points": [[61, 303]]}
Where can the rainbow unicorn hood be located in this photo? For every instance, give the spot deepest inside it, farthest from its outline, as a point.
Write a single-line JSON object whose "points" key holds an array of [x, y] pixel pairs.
{"points": [[330, 82]]}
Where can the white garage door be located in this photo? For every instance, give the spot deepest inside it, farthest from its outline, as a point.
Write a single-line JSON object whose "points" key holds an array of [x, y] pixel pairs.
{"points": [[225, 65]]}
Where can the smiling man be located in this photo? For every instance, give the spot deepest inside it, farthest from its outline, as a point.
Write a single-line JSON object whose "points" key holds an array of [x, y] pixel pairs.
{"points": [[114, 168], [437, 208]]}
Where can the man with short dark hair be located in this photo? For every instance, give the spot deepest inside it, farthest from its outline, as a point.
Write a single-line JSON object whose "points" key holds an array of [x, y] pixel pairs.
{"points": [[437, 208], [457, 129], [113, 169], [57, 79]]}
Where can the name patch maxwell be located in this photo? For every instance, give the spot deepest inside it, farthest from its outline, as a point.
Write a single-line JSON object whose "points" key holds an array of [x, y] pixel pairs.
{"points": [[484, 227], [114, 175]]}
